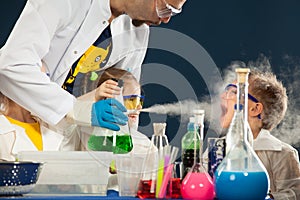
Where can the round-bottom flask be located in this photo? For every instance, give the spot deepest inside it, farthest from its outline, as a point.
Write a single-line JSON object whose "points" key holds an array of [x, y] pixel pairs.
{"points": [[197, 184], [241, 175]]}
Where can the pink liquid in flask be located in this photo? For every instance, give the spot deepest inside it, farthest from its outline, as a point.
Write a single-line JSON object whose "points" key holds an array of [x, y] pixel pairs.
{"points": [[197, 186]]}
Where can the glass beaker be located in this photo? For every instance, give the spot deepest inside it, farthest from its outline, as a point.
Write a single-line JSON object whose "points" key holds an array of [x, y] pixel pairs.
{"points": [[147, 185], [241, 174], [198, 184], [174, 187]]}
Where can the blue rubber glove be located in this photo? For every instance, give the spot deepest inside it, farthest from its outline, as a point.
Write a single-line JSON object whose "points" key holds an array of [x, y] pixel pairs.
{"points": [[108, 113]]}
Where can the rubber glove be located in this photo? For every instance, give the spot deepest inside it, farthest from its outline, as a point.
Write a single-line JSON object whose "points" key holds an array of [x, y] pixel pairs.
{"points": [[108, 113]]}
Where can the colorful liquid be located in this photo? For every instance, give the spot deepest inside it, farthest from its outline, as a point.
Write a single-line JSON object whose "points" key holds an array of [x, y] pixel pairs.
{"points": [[188, 160], [105, 143], [144, 190], [173, 191], [197, 186], [234, 185]]}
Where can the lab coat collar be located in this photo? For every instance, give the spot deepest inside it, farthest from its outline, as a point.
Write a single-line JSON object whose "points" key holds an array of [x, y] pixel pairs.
{"points": [[98, 10], [266, 141], [5, 125], [51, 139]]}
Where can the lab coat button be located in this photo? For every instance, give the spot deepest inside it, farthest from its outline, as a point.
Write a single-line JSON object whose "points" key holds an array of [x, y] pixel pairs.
{"points": [[104, 22], [75, 52]]}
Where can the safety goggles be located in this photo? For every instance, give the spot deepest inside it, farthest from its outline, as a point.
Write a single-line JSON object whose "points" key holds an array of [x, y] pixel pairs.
{"points": [[231, 92], [165, 10], [133, 102]]}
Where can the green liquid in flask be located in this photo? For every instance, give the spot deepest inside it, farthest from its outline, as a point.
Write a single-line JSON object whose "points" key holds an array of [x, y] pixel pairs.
{"points": [[105, 143]]}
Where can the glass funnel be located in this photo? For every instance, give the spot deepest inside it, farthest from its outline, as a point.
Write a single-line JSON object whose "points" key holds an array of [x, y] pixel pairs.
{"points": [[198, 184], [241, 175]]}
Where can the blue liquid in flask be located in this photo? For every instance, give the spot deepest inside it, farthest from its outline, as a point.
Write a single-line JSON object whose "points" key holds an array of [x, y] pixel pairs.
{"points": [[239, 185]]}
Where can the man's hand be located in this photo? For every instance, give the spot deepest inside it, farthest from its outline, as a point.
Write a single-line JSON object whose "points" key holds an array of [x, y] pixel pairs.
{"points": [[109, 114]]}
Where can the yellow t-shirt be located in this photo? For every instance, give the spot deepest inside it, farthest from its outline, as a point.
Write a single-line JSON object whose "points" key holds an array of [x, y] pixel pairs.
{"points": [[32, 130]]}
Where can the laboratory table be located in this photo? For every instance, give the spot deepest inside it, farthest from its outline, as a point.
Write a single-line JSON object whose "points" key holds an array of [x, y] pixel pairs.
{"points": [[111, 195]]}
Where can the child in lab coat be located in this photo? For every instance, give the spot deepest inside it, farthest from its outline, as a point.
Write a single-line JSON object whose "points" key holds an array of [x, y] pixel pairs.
{"points": [[266, 109], [107, 87], [21, 131]]}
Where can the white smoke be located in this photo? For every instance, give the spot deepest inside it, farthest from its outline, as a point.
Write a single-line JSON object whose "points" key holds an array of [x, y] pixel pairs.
{"points": [[289, 129], [184, 107], [289, 73]]}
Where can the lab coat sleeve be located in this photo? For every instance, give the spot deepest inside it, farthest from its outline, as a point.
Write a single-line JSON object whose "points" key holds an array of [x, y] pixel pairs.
{"points": [[286, 174], [20, 76]]}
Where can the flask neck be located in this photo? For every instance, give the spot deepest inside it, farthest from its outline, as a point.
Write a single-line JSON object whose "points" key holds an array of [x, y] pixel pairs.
{"points": [[159, 141], [238, 129], [238, 125], [242, 101]]}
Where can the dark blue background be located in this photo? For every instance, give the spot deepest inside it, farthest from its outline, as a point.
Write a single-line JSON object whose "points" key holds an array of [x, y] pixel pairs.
{"points": [[228, 30]]}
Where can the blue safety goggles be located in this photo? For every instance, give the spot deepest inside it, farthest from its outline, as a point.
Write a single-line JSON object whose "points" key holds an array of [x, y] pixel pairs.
{"points": [[230, 92]]}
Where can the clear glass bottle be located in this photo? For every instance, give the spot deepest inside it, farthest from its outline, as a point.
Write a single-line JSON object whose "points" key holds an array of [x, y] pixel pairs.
{"points": [[118, 142], [241, 174], [198, 184], [187, 146], [147, 185]]}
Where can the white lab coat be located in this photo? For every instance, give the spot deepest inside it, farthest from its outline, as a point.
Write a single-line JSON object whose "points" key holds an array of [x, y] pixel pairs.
{"points": [[56, 33], [13, 140], [282, 163]]}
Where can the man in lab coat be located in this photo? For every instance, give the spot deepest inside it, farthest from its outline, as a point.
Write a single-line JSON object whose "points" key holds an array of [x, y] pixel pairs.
{"points": [[73, 39]]}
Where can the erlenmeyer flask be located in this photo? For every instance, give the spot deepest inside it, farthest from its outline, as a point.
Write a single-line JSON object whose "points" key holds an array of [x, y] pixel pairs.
{"points": [[101, 139], [119, 142], [241, 174], [159, 138], [198, 184]]}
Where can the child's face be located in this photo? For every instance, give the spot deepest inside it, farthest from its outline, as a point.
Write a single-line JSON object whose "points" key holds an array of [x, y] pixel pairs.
{"points": [[132, 101], [228, 100]]}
